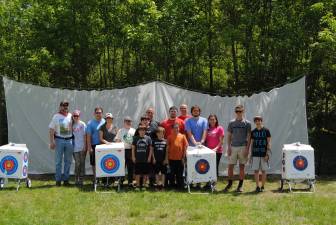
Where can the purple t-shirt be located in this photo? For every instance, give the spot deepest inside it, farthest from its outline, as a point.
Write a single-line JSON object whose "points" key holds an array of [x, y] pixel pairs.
{"points": [[213, 138]]}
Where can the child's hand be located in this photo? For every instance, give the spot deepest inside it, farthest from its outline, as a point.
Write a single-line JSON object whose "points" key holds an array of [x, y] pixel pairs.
{"points": [[266, 158], [133, 159]]}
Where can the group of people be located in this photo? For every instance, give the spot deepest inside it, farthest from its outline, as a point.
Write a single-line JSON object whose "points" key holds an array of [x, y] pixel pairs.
{"points": [[155, 152]]}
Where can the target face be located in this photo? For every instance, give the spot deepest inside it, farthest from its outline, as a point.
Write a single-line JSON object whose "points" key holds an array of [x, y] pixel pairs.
{"points": [[24, 171], [202, 166], [8, 165], [300, 163], [25, 157], [110, 163]]}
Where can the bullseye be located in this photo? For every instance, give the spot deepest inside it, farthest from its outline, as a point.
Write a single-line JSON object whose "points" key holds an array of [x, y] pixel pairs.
{"points": [[202, 166], [300, 163], [110, 163], [8, 165]]}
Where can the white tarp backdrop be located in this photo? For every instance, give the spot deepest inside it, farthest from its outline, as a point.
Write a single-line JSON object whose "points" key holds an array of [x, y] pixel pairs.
{"points": [[30, 109]]}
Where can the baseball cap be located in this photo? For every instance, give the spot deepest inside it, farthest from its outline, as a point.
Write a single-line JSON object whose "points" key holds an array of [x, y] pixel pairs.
{"points": [[109, 115]]}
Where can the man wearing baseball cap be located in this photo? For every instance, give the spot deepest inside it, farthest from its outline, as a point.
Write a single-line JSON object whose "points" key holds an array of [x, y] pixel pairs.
{"points": [[61, 140]]}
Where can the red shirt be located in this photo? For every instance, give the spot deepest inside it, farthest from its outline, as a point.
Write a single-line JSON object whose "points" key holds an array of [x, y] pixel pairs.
{"points": [[184, 117], [167, 124]]}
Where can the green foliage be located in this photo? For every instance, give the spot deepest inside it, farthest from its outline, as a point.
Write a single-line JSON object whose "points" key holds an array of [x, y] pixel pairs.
{"points": [[223, 46]]}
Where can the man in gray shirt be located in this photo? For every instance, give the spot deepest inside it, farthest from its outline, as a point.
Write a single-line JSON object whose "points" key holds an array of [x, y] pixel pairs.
{"points": [[238, 137]]}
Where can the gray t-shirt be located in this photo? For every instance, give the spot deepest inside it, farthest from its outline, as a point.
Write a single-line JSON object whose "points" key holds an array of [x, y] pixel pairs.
{"points": [[239, 130]]}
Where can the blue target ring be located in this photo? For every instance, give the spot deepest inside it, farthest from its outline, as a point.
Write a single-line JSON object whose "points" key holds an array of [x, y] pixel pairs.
{"points": [[202, 166], [24, 171], [8, 165], [300, 162], [25, 157], [109, 163]]}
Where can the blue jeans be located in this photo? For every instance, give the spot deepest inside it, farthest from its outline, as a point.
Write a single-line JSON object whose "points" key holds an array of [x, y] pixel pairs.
{"points": [[64, 148]]}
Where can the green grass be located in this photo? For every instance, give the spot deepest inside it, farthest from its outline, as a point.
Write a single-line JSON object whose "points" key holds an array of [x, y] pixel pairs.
{"points": [[46, 204]]}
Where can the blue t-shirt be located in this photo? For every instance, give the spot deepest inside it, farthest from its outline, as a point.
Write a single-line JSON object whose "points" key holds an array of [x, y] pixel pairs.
{"points": [[197, 127], [92, 128]]}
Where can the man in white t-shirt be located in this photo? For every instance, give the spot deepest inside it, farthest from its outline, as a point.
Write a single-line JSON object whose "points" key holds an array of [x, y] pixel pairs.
{"points": [[125, 135], [61, 140]]}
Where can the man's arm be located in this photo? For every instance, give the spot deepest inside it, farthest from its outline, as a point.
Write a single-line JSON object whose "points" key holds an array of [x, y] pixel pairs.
{"points": [[133, 153], [205, 132], [88, 143], [52, 144], [229, 139]]}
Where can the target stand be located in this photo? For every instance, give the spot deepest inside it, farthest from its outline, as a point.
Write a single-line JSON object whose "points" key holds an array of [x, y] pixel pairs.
{"points": [[297, 166], [201, 166], [14, 164], [110, 163]]}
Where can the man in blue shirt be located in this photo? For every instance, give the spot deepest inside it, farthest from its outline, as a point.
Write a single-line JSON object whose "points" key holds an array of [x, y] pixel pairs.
{"points": [[92, 137], [196, 127]]}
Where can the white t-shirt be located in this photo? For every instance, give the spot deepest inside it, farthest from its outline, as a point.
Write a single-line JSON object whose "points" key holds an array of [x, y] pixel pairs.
{"points": [[62, 125], [126, 136], [79, 135]]}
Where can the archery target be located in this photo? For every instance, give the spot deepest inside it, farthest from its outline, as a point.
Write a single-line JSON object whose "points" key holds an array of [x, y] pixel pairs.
{"points": [[8, 165], [300, 162], [110, 163], [25, 157], [24, 171], [202, 166]]}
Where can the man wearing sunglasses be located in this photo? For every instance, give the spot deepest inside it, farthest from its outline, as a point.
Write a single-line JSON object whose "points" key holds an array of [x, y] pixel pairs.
{"points": [[238, 137], [61, 140]]}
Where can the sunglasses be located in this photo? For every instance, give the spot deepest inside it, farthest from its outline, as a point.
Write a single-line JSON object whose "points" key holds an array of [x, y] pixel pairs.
{"points": [[75, 116], [98, 112], [128, 121], [65, 105], [239, 111]]}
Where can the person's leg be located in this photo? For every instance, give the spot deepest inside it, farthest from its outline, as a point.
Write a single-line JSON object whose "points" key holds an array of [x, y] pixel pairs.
{"points": [[179, 174], [58, 160], [137, 180], [76, 156], [82, 166], [173, 172], [263, 179], [256, 178], [218, 158], [67, 159]]}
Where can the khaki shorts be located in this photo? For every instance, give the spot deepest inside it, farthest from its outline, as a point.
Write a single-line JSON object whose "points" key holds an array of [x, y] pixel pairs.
{"points": [[237, 154], [259, 163]]}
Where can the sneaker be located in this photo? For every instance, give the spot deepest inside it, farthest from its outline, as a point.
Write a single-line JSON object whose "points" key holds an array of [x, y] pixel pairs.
{"points": [[239, 189], [136, 188], [262, 189], [58, 183], [227, 188], [130, 186], [257, 190], [66, 183]]}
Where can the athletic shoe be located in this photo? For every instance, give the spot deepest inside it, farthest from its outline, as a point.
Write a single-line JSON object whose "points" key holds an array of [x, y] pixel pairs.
{"points": [[257, 190], [227, 188], [66, 183], [262, 189], [239, 189], [58, 183]]}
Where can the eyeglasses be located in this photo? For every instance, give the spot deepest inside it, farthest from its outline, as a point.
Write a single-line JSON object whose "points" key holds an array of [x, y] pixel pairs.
{"points": [[98, 112], [75, 116], [65, 105], [239, 111], [128, 121]]}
